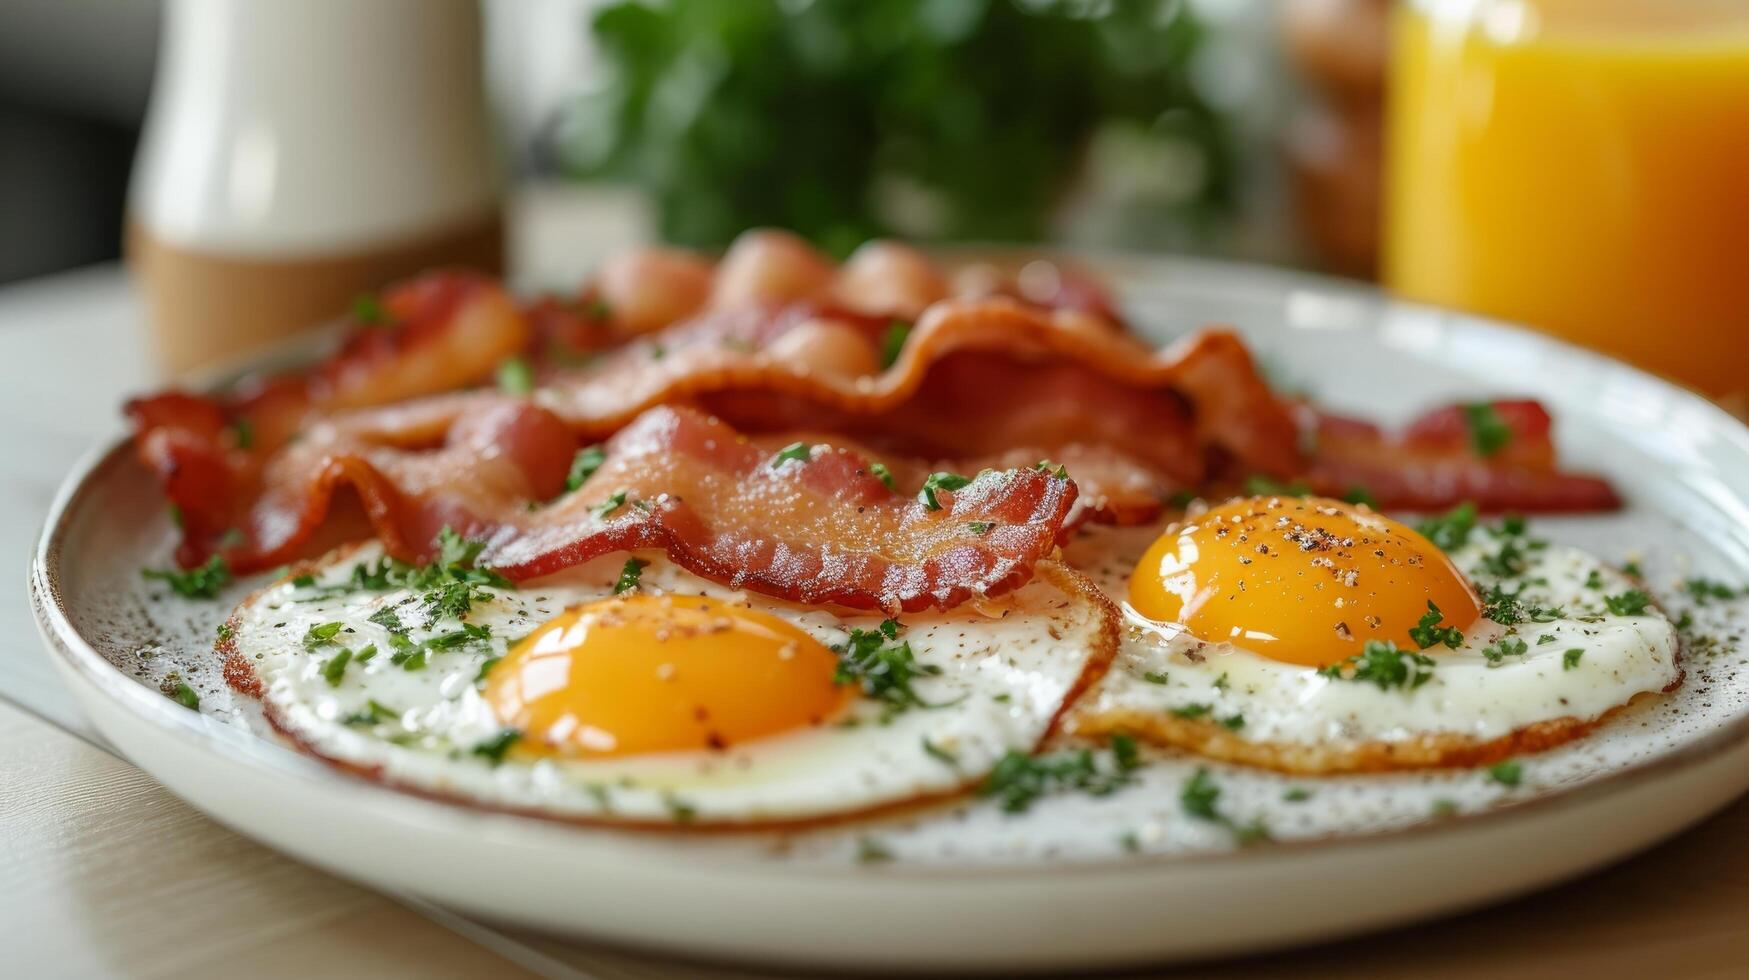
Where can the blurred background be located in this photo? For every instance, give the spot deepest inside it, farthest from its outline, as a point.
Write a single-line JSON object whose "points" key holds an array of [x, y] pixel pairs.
{"points": [[1146, 125], [1575, 164]]}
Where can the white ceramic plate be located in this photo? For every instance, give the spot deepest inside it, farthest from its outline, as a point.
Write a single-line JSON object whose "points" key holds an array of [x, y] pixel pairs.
{"points": [[1077, 881]]}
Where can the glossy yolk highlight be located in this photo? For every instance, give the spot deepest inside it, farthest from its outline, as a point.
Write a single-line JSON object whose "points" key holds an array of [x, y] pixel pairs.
{"points": [[1305, 581], [661, 674]]}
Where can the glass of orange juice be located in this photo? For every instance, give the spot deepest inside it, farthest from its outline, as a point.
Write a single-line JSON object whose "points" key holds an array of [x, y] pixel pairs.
{"points": [[1581, 166]]}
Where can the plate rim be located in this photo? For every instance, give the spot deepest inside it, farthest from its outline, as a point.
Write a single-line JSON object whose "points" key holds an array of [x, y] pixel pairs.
{"points": [[244, 747]]}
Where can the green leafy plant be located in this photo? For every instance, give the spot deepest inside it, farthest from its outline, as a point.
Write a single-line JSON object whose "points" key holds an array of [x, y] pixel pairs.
{"points": [[849, 119]]}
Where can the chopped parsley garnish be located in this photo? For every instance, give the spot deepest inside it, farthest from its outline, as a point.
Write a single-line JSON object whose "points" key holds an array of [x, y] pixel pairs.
{"points": [[1234, 722], [1383, 664], [679, 810], [387, 618], [1263, 486], [1049, 468], [368, 309], [1631, 568], [611, 504], [1507, 773], [1018, 779], [980, 527], [1507, 562], [1443, 808], [1201, 798], [410, 660], [937, 752], [374, 713], [515, 376], [226, 631], [583, 466], [1156, 677], [798, 451], [629, 574], [1703, 589], [1221, 682], [321, 635], [364, 653], [493, 749], [196, 583], [486, 666], [883, 666], [1296, 794], [468, 635], [1594, 580], [1361, 495], [1197, 710], [1570, 659], [597, 309], [242, 432], [1633, 602], [1428, 632], [1507, 646], [1507, 609], [1546, 638], [1489, 433], [1451, 530], [184, 695], [335, 668], [880, 472], [871, 851], [940, 481], [893, 342]]}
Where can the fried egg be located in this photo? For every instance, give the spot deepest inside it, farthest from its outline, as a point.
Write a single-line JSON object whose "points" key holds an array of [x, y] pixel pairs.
{"points": [[1314, 636], [633, 691]]}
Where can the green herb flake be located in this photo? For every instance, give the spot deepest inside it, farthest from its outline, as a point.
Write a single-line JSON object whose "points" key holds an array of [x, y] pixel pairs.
{"points": [[1383, 664], [1156, 677], [798, 451], [1018, 779], [1633, 602], [629, 574], [883, 666], [940, 481], [1296, 794], [880, 472], [1451, 530], [871, 851], [321, 635], [1506, 646], [583, 466], [242, 432], [1508, 773], [937, 752], [1489, 433], [369, 310], [184, 695], [1704, 589], [1428, 633], [493, 749], [335, 669], [1570, 658], [1200, 798], [611, 504], [198, 583], [893, 342]]}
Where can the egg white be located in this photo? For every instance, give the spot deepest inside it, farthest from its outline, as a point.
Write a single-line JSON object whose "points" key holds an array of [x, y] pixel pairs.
{"points": [[1006, 668], [1163, 672]]}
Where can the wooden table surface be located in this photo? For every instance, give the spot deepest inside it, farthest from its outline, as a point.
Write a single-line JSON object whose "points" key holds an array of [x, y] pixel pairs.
{"points": [[103, 873]]}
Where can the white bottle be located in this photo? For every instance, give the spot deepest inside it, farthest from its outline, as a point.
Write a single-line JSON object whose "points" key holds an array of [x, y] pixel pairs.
{"points": [[298, 153]]}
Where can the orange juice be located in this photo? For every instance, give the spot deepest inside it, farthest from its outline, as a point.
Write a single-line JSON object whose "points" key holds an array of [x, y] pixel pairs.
{"points": [[1581, 166]]}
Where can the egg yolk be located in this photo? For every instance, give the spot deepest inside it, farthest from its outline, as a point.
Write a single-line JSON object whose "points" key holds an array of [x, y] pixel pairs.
{"points": [[642, 673], [1301, 580]]}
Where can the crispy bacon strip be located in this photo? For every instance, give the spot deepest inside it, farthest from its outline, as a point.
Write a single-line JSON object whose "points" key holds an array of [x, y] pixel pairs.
{"points": [[825, 529], [1434, 464]]}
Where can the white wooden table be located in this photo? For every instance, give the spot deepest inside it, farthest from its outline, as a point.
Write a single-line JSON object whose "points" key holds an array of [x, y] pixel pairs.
{"points": [[102, 873]]}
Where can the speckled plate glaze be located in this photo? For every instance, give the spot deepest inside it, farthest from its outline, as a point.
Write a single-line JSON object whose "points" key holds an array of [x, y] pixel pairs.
{"points": [[1077, 881]]}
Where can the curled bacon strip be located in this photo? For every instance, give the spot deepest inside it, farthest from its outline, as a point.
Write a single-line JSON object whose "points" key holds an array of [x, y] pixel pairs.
{"points": [[1434, 464], [824, 529]]}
